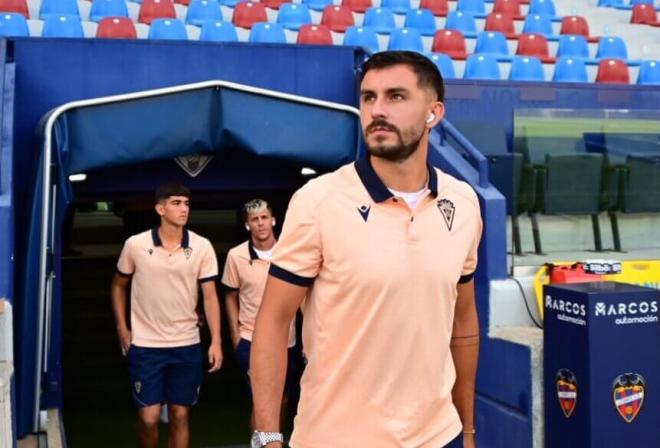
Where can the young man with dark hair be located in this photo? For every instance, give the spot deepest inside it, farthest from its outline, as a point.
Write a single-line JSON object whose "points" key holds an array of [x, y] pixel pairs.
{"points": [[165, 267], [383, 252]]}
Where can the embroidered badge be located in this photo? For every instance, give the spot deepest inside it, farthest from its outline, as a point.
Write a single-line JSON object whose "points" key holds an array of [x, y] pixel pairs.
{"points": [[628, 392], [447, 209], [137, 386], [187, 252], [364, 212], [567, 390], [193, 164]]}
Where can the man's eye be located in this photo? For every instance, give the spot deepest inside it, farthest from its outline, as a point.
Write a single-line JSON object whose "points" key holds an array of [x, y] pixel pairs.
{"points": [[397, 96]]}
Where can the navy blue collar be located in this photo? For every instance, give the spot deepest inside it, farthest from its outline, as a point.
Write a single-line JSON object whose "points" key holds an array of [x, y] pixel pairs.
{"points": [[377, 189], [251, 251], [185, 239]]}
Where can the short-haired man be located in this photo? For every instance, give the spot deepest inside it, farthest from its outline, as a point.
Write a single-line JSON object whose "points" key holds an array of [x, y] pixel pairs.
{"points": [[165, 267], [387, 247], [244, 277]]}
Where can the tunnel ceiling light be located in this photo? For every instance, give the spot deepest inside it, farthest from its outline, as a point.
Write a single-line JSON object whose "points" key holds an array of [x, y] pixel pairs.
{"points": [[308, 172], [80, 177]]}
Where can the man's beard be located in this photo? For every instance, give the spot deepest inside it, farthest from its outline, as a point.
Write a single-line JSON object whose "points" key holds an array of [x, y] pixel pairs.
{"points": [[397, 153]]}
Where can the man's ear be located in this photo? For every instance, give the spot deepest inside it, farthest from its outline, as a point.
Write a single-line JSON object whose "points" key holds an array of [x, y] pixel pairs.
{"points": [[160, 208]]}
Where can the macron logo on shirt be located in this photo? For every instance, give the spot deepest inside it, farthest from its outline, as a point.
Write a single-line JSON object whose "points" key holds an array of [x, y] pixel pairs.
{"points": [[364, 212]]}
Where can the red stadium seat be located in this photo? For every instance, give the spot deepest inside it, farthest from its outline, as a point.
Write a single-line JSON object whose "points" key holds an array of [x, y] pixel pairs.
{"points": [[503, 23], [576, 25], [274, 4], [613, 71], [156, 9], [533, 44], [116, 28], [509, 7], [439, 8], [644, 14], [451, 43], [337, 18], [17, 6], [247, 14], [314, 35], [357, 5], [182, 2]]}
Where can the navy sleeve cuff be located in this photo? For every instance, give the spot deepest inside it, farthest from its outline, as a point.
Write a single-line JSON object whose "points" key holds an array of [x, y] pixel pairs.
{"points": [[208, 279], [466, 278], [229, 288], [289, 277], [124, 274]]}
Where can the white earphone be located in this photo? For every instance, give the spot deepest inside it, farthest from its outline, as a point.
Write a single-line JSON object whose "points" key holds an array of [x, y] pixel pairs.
{"points": [[430, 118]]}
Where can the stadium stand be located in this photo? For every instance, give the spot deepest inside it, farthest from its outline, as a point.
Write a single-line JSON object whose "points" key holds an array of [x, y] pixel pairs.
{"points": [[649, 73], [526, 68], [534, 45], [463, 22], [422, 20], [444, 64], [317, 5], [612, 71], [337, 18], [492, 42], [116, 28], [481, 66], [13, 24], [576, 25], [406, 39], [439, 8], [64, 25], [58, 7], [396, 6], [218, 31], [267, 33], [200, 11], [168, 29], [314, 35], [358, 5], [360, 36], [380, 19], [156, 9], [450, 42], [107, 8], [476, 8], [539, 24], [570, 70], [612, 47], [574, 46], [502, 23], [644, 14], [292, 16]]}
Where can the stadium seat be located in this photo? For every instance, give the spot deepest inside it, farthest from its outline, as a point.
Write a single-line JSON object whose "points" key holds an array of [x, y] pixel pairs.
{"points": [[314, 35], [168, 29], [274, 4], [576, 25], [317, 5], [292, 16], [539, 24], [362, 36], [200, 11], [526, 68], [337, 18], [357, 5], [534, 45], [156, 9], [444, 64], [502, 23], [463, 22], [247, 14], [492, 42], [612, 3], [58, 8], [439, 8], [573, 46], [13, 24], [380, 19], [107, 8], [218, 31], [116, 28], [644, 14], [65, 25], [17, 6], [570, 70], [542, 7], [422, 20], [233, 3], [612, 71], [641, 2], [396, 6], [406, 39], [451, 43], [612, 47], [265, 32], [475, 7], [649, 73], [510, 8], [481, 66]]}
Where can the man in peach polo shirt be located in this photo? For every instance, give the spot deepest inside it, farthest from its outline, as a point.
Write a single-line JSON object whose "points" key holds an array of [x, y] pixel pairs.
{"points": [[244, 277], [165, 266], [385, 249]]}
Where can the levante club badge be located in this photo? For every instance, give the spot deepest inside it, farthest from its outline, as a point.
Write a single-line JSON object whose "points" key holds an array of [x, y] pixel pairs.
{"points": [[628, 392], [193, 164], [567, 390]]}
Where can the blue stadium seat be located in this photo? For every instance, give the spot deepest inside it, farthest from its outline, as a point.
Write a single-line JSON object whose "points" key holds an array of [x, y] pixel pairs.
{"points": [[637, 2], [317, 5], [218, 31], [422, 20], [168, 29], [540, 24], [107, 8], [406, 39], [612, 47], [362, 36], [14, 25], [611, 2], [444, 64], [570, 70], [481, 66], [573, 46], [292, 16], [463, 22], [396, 6], [65, 25], [229, 3], [200, 11], [526, 68], [475, 7], [58, 7], [649, 73], [542, 7], [494, 43], [380, 19], [267, 32]]}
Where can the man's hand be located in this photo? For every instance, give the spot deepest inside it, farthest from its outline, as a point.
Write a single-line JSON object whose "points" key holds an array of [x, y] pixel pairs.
{"points": [[215, 356], [124, 339]]}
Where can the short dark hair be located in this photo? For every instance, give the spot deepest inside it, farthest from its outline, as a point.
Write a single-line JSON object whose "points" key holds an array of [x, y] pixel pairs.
{"points": [[427, 73], [171, 189]]}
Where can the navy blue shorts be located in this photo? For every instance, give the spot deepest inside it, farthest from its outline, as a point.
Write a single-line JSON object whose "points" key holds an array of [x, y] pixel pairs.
{"points": [[243, 359], [456, 443], [165, 375]]}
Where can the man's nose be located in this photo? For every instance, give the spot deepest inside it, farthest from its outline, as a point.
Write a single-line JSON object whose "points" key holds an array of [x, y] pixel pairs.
{"points": [[378, 109]]}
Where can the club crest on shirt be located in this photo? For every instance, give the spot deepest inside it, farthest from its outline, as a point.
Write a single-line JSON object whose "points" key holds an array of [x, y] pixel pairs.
{"points": [[137, 386], [628, 392], [447, 210], [567, 391], [364, 212], [193, 164], [187, 252]]}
